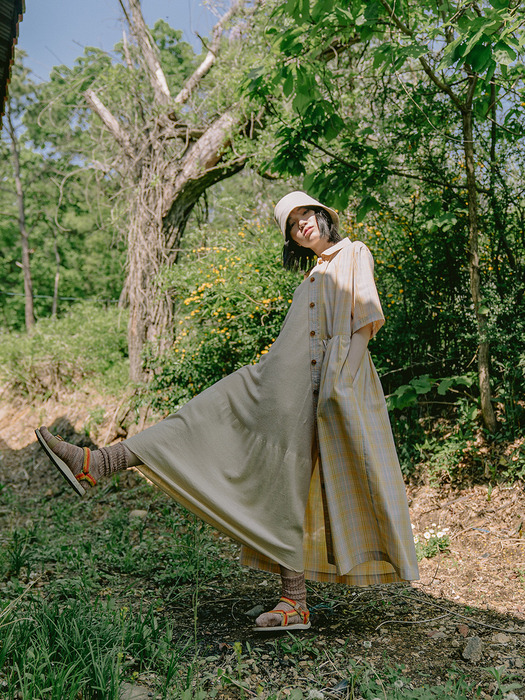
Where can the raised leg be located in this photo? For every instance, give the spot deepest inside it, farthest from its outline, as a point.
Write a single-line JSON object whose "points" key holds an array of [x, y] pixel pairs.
{"points": [[78, 464]]}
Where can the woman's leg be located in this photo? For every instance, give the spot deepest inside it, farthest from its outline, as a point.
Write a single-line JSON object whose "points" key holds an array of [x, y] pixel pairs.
{"points": [[293, 586], [92, 464]]}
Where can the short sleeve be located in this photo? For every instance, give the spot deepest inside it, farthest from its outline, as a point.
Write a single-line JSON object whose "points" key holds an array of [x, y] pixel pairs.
{"points": [[366, 305]]}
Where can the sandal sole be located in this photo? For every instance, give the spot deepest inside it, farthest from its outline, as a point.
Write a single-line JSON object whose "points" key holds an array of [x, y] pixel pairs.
{"points": [[60, 465], [286, 628]]}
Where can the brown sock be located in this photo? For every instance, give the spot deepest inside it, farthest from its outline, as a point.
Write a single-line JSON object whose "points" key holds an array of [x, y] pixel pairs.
{"points": [[293, 587], [103, 462]]}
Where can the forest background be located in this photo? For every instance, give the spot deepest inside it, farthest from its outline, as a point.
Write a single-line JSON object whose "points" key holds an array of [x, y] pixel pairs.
{"points": [[129, 199], [138, 252]]}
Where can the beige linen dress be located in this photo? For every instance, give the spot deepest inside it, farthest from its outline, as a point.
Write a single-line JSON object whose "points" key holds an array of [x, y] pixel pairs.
{"points": [[289, 456]]}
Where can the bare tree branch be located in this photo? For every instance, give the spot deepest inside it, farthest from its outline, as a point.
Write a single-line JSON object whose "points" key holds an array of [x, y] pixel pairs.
{"points": [[109, 120], [127, 55], [206, 152], [148, 51], [194, 79], [426, 66]]}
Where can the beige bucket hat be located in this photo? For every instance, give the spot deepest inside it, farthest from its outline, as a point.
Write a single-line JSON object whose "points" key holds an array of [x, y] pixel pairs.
{"points": [[298, 199]]}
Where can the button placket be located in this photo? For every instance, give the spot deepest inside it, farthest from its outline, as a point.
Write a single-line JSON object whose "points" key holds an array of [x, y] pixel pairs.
{"points": [[316, 349]]}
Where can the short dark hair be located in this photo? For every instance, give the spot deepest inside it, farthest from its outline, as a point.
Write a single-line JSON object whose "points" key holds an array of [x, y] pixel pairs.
{"points": [[297, 258]]}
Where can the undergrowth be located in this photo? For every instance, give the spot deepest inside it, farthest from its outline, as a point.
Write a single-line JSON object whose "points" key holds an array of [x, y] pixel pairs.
{"points": [[89, 343], [93, 591]]}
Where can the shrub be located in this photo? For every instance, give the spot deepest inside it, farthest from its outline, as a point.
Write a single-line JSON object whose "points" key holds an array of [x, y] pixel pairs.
{"points": [[230, 302], [88, 342]]}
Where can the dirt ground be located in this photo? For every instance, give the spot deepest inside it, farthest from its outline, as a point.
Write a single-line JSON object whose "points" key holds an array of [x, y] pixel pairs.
{"points": [[467, 611]]}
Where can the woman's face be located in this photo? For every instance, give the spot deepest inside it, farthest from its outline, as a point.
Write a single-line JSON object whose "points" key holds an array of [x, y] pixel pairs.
{"points": [[304, 230]]}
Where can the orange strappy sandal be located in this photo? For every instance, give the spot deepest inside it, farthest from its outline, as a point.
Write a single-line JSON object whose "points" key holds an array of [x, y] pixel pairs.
{"points": [[62, 467], [284, 626]]}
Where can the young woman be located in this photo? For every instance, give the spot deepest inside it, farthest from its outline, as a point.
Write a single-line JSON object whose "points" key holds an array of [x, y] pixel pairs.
{"points": [[294, 456]]}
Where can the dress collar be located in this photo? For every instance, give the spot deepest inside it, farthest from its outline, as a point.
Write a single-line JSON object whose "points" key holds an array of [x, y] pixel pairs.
{"points": [[329, 253]]}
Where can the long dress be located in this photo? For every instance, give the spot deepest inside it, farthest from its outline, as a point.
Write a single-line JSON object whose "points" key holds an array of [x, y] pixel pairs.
{"points": [[289, 456]]}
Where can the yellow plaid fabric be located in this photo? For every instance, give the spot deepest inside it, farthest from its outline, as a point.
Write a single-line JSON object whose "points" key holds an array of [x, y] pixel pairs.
{"points": [[357, 527]]}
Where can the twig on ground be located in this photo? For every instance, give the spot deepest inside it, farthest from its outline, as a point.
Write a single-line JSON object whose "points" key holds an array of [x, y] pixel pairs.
{"points": [[413, 622]]}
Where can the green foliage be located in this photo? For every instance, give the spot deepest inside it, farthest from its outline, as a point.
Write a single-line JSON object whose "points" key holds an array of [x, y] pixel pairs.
{"points": [[64, 651], [67, 206], [78, 638], [231, 296], [407, 394], [88, 343], [369, 101]]}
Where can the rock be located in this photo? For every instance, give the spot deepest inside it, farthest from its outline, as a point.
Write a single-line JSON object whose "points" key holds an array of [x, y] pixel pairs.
{"points": [[255, 612], [138, 514], [501, 638], [472, 650], [315, 695], [133, 692]]}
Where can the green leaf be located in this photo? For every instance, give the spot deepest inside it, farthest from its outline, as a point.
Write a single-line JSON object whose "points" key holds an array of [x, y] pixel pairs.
{"points": [[382, 54], [479, 57], [504, 54], [288, 84], [365, 205], [444, 385], [452, 53], [422, 384], [372, 11], [403, 397], [304, 9], [415, 50]]}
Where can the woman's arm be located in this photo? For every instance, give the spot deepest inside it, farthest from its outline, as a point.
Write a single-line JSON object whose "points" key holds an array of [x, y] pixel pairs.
{"points": [[358, 346]]}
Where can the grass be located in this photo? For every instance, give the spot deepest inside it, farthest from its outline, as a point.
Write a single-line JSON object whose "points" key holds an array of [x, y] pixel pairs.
{"points": [[59, 353], [92, 597]]}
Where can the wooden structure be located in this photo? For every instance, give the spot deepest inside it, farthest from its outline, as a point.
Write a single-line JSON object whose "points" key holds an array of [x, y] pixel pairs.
{"points": [[11, 12]]}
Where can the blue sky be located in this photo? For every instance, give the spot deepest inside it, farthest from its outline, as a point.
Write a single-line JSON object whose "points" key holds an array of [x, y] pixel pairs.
{"points": [[56, 31]]}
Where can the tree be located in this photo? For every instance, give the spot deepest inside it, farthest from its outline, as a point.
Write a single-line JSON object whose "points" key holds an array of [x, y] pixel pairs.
{"points": [[69, 248], [167, 153], [15, 105], [463, 57]]}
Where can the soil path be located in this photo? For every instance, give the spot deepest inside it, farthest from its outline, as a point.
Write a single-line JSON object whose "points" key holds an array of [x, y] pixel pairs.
{"points": [[474, 591]]}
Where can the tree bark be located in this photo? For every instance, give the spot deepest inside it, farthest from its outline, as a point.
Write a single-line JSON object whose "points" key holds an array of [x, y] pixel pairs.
{"points": [[475, 283], [24, 237], [57, 275], [148, 52], [166, 182], [155, 235]]}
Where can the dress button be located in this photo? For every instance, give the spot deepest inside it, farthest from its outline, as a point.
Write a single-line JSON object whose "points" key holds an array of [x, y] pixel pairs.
{"points": [[314, 362], [312, 333], [312, 279], [312, 304]]}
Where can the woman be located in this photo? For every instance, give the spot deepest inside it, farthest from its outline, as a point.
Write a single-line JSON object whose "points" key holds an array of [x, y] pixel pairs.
{"points": [[293, 457]]}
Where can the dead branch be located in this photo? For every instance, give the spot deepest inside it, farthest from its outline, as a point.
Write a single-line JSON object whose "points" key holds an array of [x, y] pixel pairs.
{"points": [[109, 120], [206, 152], [213, 49], [127, 54], [148, 51]]}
